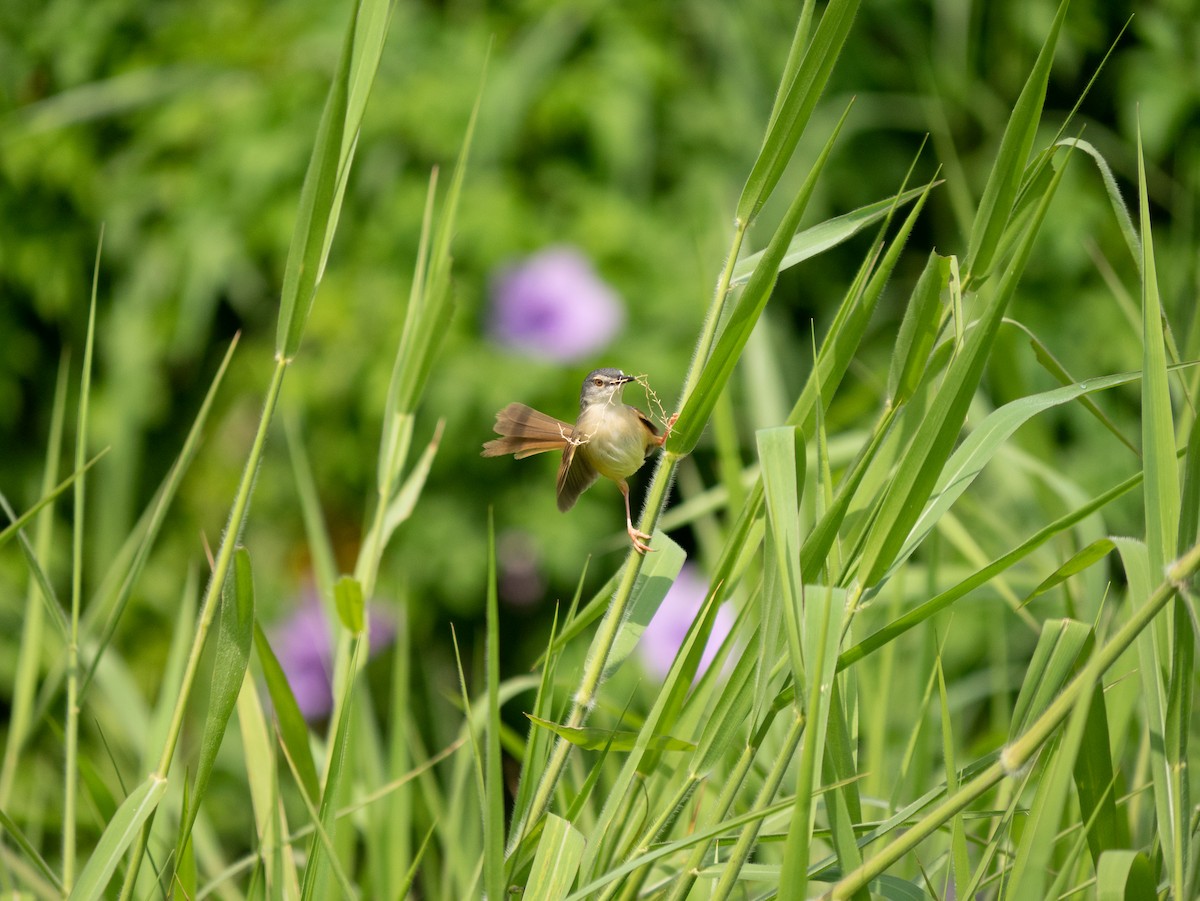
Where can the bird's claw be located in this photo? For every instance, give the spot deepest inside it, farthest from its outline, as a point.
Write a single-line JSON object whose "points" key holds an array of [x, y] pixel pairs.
{"points": [[662, 440], [639, 539]]}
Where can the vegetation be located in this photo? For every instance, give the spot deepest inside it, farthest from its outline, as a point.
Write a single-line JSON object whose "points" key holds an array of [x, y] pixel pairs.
{"points": [[928, 517]]}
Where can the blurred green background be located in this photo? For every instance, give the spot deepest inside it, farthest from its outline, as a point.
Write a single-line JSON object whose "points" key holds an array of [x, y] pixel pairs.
{"points": [[622, 130]]}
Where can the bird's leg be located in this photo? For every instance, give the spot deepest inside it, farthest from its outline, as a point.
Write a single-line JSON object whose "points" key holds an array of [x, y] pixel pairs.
{"points": [[638, 537]]}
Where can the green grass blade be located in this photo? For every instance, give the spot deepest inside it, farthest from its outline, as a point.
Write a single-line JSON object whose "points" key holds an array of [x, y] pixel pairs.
{"points": [[823, 236], [1061, 648], [419, 345], [1095, 784], [595, 738], [537, 744], [262, 777], [792, 114], [16, 523], [918, 330], [1125, 876], [235, 626], [781, 451], [850, 323], [1158, 430], [655, 579], [1162, 511], [1031, 863], [78, 516], [1115, 198], [317, 215], [27, 847], [321, 853], [996, 204], [557, 862], [1078, 562], [493, 819], [698, 405], [823, 611], [921, 466], [923, 612], [120, 832], [155, 517], [29, 656], [293, 732]]}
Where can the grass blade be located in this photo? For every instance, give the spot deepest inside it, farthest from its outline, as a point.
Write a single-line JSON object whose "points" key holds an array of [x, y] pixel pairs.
{"points": [[559, 852], [131, 816], [698, 405], [996, 204], [493, 817], [799, 100], [235, 626]]}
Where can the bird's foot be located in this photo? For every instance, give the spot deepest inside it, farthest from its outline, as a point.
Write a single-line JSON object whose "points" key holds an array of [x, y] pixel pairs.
{"points": [[639, 538], [662, 439]]}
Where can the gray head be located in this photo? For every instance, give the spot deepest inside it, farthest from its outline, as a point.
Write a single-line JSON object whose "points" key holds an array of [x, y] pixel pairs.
{"points": [[603, 386]]}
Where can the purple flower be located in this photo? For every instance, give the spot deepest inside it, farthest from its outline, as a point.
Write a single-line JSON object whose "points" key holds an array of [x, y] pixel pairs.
{"points": [[304, 645], [554, 306], [665, 634]]}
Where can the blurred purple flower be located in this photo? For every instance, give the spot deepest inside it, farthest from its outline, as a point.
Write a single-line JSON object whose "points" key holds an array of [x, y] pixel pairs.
{"points": [[304, 645], [665, 634], [554, 306]]}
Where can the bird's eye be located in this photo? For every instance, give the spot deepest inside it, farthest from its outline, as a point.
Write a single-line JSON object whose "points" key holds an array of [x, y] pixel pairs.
{"points": [[599, 383]]}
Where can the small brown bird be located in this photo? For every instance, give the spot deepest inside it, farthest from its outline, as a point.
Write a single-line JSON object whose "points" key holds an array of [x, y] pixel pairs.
{"points": [[610, 438]]}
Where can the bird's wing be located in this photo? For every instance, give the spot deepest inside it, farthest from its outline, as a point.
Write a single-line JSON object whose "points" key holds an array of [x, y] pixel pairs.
{"points": [[526, 431], [652, 438], [575, 474]]}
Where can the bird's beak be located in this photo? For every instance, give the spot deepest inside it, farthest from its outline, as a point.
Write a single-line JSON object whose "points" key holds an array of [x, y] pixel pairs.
{"points": [[625, 379]]}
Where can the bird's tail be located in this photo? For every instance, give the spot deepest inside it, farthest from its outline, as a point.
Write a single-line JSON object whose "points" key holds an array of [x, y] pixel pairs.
{"points": [[525, 431]]}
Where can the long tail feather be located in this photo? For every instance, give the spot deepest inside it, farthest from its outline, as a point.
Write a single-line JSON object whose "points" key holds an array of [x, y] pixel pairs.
{"points": [[525, 431]]}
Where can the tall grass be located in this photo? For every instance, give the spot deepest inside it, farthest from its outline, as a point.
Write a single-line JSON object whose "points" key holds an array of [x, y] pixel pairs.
{"points": [[824, 752]]}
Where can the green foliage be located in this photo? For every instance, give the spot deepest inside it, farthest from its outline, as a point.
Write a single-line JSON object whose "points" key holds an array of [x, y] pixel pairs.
{"points": [[913, 666]]}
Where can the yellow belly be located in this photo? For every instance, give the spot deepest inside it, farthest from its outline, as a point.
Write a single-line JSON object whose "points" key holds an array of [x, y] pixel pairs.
{"points": [[614, 440]]}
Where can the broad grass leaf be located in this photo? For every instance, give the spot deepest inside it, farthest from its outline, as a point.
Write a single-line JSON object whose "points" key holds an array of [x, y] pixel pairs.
{"points": [[1079, 561], [1096, 783], [134, 812], [235, 627], [1125, 876], [1153, 661], [1161, 493], [556, 862], [595, 738], [351, 604], [654, 580]]}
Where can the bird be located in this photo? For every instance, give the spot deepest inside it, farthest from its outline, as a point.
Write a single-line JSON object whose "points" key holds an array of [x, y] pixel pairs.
{"points": [[610, 438]]}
